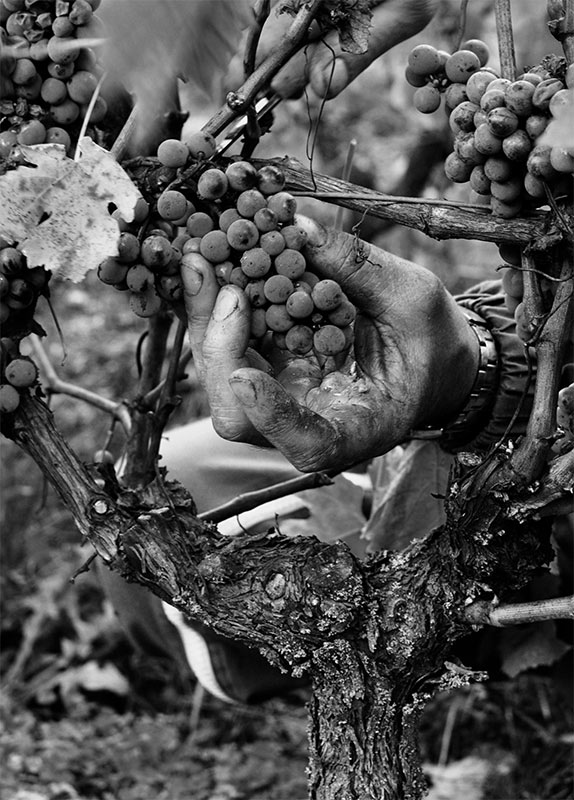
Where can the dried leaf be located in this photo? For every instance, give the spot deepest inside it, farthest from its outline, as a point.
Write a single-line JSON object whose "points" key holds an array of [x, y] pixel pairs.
{"points": [[352, 20], [57, 208]]}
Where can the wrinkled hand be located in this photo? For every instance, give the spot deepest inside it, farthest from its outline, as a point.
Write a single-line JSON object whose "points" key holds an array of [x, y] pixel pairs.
{"points": [[414, 359], [322, 64]]}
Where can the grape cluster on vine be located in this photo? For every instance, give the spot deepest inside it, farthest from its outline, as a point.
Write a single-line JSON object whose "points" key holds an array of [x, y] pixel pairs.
{"points": [[496, 124], [48, 78], [240, 222]]}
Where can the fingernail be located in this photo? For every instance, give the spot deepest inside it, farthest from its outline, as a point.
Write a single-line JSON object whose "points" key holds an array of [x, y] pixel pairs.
{"points": [[244, 391], [192, 279], [316, 233], [227, 302]]}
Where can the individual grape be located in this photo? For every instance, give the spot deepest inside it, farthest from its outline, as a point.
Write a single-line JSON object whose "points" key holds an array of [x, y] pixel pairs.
{"points": [[505, 210], [456, 169], [156, 252], [507, 191], [272, 242], [21, 373], [462, 117], [242, 235], [502, 122], [258, 323], [180, 240], [299, 339], [561, 160], [32, 132], [57, 135], [128, 248], [212, 184], [24, 72], [53, 91], [461, 65], [215, 247], [329, 340], [201, 145], [81, 12], [278, 288], [424, 60], [278, 318], [512, 282], [238, 278], [327, 295], [223, 272], [11, 260], [255, 263], [534, 186], [532, 77], [478, 180], [479, 48], [414, 79], [191, 245], [454, 95], [63, 50], [290, 263], [284, 205], [111, 271], [255, 292], [171, 205], [141, 210], [477, 85], [343, 315], [265, 220], [199, 223], [486, 142], [65, 113], [295, 237], [61, 71], [62, 26], [517, 146], [81, 86], [480, 118], [241, 175], [299, 304], [249, 202], [139, 278], [9, 398], [497, 168], [519, 97], [180, 222], [270, 179], [145, 304], [465, 148], [21, 294], [492, 98], [227, 217], [173, 153], [560, 103], [539, 164], [426, 99], [7, 141]]}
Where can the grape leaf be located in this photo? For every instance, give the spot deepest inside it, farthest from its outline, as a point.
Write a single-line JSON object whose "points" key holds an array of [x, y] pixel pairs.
{"points": [[352, 20], [56, 208]]}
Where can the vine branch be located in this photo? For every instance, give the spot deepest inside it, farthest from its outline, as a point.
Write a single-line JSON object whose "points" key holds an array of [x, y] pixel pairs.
{"points": [[503, 17], [502, 616]]}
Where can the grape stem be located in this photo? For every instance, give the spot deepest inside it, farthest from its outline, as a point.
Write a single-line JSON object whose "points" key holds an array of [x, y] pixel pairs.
{"points": [[503, 17], [501, 616], [261, 77], [53, 384]]}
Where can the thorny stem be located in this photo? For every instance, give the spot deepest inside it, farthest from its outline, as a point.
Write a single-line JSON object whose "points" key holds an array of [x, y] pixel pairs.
{"points": [[483, 613], [53, 384], [505, 39], [263, 74]]}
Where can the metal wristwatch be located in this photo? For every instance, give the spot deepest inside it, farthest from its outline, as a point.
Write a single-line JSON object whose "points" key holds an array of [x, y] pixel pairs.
{"points": [[474, 416]]}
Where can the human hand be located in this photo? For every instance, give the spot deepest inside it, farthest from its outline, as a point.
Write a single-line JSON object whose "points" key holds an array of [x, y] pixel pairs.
{"points": [[413, 363], [322, 64]]}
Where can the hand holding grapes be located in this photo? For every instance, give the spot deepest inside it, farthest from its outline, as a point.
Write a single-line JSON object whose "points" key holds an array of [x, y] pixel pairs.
{"points": [[413, 364]]}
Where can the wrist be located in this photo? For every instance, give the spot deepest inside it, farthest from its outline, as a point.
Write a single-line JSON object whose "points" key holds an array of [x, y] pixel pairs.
{"points": [[472, 414]]}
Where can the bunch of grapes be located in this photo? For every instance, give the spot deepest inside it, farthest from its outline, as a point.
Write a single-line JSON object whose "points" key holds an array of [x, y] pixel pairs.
{"points": [[240, 222], [48, 78], [20, 288], [496, 124]]}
